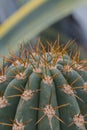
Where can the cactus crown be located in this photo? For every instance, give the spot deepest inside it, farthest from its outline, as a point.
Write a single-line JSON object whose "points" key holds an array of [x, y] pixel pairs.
{"points": [[43, 89]]}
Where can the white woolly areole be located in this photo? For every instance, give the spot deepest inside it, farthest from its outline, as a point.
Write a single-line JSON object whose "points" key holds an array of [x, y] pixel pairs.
{"points": [[27, 95], [25, 65], [78, 66], [60, 59], [42, 64], [68, 89], [2, 78], [17, 62], [49, 112], [52, 67], [79, 121], [18, 126], [37, 70], [85, 86], [67, 68], [34, 54], [20, 76], [3, 102], [47, 80]]}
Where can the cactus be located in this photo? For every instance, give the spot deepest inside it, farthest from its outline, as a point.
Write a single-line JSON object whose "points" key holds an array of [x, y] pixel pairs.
{"points": [[44, 90]]}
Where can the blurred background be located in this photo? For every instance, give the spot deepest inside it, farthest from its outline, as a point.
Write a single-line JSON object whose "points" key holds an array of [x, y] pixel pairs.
{"points": [[24, 20]]}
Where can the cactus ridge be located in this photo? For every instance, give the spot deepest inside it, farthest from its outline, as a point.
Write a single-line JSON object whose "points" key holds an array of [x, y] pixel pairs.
{"points": [[43, 89]]}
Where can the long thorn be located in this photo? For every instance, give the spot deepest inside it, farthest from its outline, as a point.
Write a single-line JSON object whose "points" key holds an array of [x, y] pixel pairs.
{"points": [[79, 98], [58, 118], [72, 123], [40, 119], [18, 89], [63, 105], [12, 96], [6, 124], [50, 97], [34, 108]]}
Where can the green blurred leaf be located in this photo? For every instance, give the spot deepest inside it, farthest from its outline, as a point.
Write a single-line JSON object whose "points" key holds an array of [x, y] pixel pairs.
{"points": [[37, 21]]}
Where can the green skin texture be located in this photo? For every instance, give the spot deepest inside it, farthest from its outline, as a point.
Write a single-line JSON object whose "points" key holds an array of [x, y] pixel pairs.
{"points": [[45, 94], [10, 74], [22, 110], [70, 110], [84, 75], [80, 92], [81, 75], [9, 111]]}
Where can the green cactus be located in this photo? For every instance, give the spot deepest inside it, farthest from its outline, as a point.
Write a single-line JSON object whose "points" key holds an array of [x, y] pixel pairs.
{"points": [[44, 90]]}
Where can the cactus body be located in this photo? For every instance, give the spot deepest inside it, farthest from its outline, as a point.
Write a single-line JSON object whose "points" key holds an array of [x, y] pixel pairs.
{"points": [[44, 91]]}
